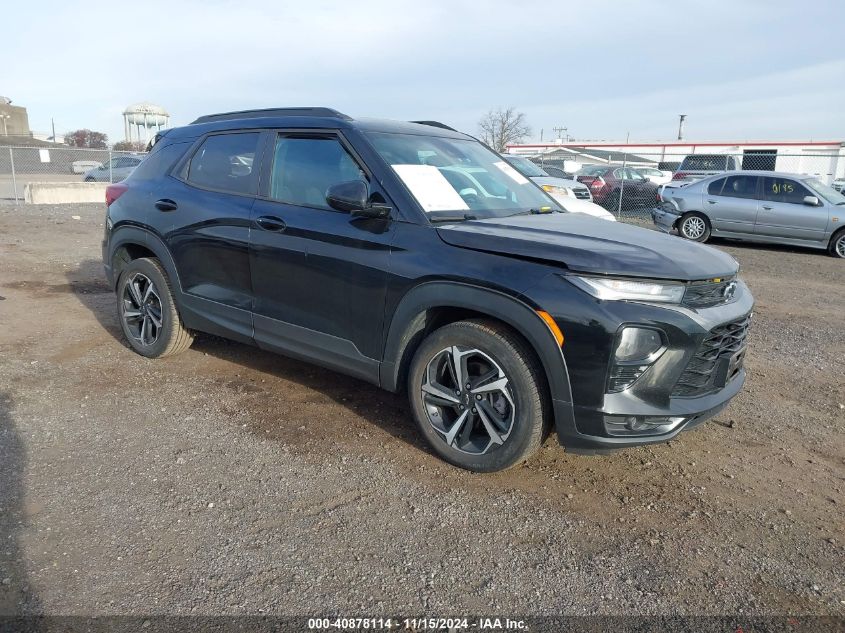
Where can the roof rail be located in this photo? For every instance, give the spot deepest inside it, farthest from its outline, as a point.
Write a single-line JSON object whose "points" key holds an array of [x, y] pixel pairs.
{"points": [[272, 112], [435, 124]]}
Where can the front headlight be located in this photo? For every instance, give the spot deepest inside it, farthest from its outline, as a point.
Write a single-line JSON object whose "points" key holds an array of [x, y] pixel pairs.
{"points": [[555, 190], [610, 289]]}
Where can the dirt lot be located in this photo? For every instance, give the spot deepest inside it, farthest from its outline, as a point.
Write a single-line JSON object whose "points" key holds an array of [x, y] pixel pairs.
{"points": [[228, 480]]}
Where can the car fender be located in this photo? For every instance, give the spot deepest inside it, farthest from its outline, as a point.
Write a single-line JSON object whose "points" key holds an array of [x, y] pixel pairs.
{"points": [[130, 234], [408, 324]]}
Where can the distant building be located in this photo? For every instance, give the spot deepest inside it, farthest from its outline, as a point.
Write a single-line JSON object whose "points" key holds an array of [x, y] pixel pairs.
{"points": [[14, 120], [824, 159]]}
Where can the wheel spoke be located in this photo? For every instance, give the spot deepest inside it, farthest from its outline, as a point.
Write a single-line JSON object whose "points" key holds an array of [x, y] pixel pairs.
{"points": [[131, 315], [456, 427], [145, 326], [155, 318], [135, 293], [457, 364], [488, 426], [498, 420], [440, 392], [150, 290], [496, 385]]}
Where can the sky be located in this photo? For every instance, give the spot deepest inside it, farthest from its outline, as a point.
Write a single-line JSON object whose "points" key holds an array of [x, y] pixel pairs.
{"points": [[739, 69]]}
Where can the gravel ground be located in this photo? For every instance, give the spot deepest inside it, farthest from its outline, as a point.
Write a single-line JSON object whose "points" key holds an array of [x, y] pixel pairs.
{"points": [[231, 481]]}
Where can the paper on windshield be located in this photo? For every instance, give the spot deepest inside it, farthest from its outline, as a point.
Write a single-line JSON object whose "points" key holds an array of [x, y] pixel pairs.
{"points": [[511, 173], [430, 188]]}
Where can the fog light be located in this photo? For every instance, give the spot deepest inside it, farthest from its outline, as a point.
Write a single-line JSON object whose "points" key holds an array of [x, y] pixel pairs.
{"points": [[630, 425], [637, 344], [637, 348]]}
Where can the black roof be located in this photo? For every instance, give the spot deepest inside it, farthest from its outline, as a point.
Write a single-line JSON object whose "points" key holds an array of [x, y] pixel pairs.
{"points": [[272, 112], [307, 117]]}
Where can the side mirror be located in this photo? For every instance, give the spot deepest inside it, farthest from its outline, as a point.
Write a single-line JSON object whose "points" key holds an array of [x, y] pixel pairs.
{"points": [[353, 197], [813, 201]]}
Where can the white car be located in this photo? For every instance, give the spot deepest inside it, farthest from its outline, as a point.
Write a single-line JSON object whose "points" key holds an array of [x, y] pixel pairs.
{"points": [[654, 175], [573, 196], [115, 170], [839, 185]]}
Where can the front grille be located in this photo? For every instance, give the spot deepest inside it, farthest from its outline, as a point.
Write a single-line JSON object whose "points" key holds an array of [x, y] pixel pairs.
{"points": [[704, 294], [718, 360], [582, 193]]}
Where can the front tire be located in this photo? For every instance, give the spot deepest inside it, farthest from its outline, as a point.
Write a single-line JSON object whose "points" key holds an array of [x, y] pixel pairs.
{"points": [[837, 244], [147, 312], [478, 395], [694, 226]]}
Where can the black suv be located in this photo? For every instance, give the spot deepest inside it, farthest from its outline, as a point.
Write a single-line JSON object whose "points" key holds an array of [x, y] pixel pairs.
{"points": [[414, 257]]}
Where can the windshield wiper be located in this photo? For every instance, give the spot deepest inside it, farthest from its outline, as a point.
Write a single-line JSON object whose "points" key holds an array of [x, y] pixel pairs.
{"points": [[543, 211], [458, 217]]}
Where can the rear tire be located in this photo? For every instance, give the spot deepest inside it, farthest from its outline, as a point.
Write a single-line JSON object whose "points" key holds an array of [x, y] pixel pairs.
{"points": [[147, 312], [837, 244], [694, 226], [479, 396]]}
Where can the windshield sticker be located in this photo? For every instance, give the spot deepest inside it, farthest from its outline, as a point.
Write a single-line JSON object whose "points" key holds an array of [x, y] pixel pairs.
{"points": [[511, 173], [430, 188]]}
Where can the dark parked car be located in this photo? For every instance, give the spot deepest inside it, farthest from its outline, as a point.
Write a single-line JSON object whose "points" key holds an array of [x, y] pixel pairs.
{"points": [[412, 257], [608, 183]]}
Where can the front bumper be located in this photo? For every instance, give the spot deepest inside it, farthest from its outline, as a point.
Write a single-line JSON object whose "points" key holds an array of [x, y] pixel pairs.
{"points": [[664, 220], [659, 397]]}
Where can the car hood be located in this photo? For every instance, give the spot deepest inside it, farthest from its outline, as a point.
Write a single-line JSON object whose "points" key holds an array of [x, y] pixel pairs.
{"points": [[590, 245]]}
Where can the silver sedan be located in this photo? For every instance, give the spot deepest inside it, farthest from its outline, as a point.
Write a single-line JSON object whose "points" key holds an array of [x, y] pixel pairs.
{"points": [[758, 206]]}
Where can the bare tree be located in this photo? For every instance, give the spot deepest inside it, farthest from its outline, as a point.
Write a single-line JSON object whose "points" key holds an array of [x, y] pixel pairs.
{"points": [[87, 138], [503, 127]]}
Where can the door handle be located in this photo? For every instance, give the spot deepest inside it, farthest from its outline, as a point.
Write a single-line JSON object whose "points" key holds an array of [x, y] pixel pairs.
{"points": [[271, 223], [165, 204], [711, 202], [767, 208]]}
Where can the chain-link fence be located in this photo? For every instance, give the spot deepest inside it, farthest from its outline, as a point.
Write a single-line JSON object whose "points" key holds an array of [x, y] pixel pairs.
{"points": [[20, 166], [627, 184]]}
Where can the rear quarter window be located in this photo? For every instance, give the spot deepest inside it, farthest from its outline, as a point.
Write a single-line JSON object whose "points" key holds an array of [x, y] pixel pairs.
{"points": [[159, 161], [225, 162], [715, 187]]}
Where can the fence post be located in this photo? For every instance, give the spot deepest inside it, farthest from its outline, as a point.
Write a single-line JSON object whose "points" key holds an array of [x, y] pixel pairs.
{"points": [[14, 180], [622, 186], [111, 179]]}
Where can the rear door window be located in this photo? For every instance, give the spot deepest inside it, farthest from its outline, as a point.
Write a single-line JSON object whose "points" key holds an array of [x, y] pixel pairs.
{"points": [[225, 162], [740, 187], [715, 187], [784, 190]]}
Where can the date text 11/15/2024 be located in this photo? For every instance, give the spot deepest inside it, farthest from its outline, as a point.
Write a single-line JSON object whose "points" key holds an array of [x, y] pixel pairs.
{"points": [[417, 624]]}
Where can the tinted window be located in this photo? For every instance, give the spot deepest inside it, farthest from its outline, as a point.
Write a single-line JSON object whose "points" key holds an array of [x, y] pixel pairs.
{"points": [[224, 161], [304, 168], [740, 187], [785, 190], [715, 187], [704, 162], [592, 170]]}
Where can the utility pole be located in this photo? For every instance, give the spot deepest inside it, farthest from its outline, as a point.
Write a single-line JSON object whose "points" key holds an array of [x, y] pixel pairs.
{"points": [[561, 133], [53, 123], [681, 118]]}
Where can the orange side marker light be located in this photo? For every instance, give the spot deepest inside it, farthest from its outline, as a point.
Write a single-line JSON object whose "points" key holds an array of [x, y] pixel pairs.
{"points": [[552, 326]]}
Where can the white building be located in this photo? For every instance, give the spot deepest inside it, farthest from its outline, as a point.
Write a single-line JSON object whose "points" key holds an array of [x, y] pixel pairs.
{"points": [[823, 159]]}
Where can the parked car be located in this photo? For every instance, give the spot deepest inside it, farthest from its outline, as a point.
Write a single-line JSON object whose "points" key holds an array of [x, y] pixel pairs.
{"points": [[758, 206], [697, 166], [654, 176], [81, 166], [838, 185], [557, 172], [558, 187], [569, 194], [499, 316], [609, 183], [115, 170]]}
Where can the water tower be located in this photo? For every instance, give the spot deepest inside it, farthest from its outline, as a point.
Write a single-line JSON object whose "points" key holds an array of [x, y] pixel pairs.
{"points": [[140, 118]]}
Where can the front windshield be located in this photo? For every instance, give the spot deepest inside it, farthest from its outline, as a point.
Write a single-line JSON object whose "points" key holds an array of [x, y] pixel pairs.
{"points": [[828, 193], [449, 177], [525, 166]]}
